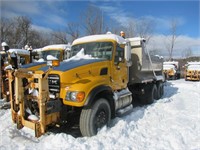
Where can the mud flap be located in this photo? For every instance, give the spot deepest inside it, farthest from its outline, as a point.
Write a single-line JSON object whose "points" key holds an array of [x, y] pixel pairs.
{"points": [[37, 130], [19, 123]]}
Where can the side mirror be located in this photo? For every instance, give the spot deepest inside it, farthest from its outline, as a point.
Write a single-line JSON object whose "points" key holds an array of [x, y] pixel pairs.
{"points": [[52, 61]]}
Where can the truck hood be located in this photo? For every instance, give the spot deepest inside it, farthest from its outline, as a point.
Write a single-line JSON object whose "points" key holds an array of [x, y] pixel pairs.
{"points": [[71, 64], [33, 64]]}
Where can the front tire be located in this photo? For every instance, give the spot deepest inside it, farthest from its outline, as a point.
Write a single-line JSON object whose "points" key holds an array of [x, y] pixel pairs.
{"points": [[94, 118]]}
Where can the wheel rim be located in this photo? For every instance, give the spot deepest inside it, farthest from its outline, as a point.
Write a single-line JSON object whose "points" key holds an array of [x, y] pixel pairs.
{"points": [[101, 118]]}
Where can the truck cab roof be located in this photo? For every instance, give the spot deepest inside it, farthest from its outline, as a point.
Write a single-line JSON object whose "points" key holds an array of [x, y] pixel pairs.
{"points": [[100, 37], [57, 46]]}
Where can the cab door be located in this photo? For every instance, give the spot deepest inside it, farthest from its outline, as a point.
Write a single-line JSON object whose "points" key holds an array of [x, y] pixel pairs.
{"points": [[119, 77]]}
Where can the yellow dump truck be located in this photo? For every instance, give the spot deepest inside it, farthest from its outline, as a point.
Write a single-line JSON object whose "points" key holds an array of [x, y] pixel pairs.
{"points": [[105, 73], [59, 51], [171, 70], [192, 71]]}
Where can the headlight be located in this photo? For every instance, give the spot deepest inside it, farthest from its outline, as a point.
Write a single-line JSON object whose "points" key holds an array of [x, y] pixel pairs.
{"points": [[75, 96]]}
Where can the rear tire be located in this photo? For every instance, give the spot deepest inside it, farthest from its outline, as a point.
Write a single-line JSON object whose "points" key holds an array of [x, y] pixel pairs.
{"points": [[160, 90], [94, 118], [150, 94]]}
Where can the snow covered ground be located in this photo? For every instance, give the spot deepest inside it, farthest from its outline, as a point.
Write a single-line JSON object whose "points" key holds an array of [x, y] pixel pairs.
{"points": [[171, 123]]}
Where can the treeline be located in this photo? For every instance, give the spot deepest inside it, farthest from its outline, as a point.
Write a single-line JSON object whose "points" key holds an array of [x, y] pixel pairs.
{"points": [[19, 31]]}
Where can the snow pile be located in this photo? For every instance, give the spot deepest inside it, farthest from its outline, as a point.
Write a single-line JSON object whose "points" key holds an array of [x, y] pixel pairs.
{"points": [[171, 123], [80, 55]]}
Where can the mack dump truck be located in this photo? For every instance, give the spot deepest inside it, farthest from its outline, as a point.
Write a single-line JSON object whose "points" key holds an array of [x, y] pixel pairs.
{"points": [[106, 73], [171, 70], [192, 71]]}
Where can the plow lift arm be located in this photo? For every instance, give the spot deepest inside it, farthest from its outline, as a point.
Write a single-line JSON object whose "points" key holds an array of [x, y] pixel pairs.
{"points": [[35, 111]]}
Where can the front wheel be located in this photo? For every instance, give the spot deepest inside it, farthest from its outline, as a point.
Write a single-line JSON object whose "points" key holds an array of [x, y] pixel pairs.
{"points": [[94, 118]]}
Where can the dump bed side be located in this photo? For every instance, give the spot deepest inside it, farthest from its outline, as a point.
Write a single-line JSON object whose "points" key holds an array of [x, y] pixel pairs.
{"points": [[145, 68]]}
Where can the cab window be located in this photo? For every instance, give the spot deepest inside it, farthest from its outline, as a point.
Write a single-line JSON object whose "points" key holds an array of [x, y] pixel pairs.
{"points": [[119, 56]]}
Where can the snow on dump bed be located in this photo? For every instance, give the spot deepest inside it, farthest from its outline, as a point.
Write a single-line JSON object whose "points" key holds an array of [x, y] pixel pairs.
{"points": [[19, 51], [93, 38]]}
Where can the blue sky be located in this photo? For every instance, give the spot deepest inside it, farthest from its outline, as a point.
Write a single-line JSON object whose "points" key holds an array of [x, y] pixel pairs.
{"points": [[56, 14]]}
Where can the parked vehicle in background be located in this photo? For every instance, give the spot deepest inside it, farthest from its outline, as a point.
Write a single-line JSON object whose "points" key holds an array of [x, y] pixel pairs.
{"points": [[192, 71], [59, 51], [106, 73], [11, 59], [171, 70]]}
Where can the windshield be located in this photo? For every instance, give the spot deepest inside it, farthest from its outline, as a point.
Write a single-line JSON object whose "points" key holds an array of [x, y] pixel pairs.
{"points": [[95, 49], [44, 54]]}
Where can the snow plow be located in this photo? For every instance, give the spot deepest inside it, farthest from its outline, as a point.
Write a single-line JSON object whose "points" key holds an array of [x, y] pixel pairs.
{"points": [[105, 73], [171, 70], [192, 71], [32, 106]]}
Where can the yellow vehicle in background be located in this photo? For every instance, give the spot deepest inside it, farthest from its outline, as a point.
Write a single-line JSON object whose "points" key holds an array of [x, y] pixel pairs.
{"points": [[171, 70], [36, 60], [105, 73], [59, 51], [192, 71], [11, 59]]}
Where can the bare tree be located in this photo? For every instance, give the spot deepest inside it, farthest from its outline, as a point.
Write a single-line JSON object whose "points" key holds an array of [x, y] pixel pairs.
{"points": [[172, 38], [145, 28], [6, 29], [22, 30], [187, 52], [92, 20], [73, 30], [60, 37]]}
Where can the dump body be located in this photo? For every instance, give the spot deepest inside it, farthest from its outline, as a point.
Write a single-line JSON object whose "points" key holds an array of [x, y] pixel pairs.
{"points": [[145, 68], [192, 71]]}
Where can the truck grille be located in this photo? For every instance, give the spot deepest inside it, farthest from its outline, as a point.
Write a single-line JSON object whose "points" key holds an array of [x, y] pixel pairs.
{"points": [[54, 83]]}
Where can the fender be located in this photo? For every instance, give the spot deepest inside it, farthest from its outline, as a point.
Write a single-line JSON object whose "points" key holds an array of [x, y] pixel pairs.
{"points": [[94, 92]]}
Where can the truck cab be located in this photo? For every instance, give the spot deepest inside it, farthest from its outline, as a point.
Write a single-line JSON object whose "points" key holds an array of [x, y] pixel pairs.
{"points": [[59, 51]]}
